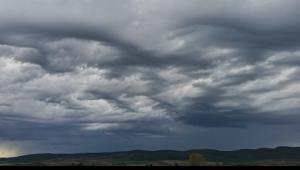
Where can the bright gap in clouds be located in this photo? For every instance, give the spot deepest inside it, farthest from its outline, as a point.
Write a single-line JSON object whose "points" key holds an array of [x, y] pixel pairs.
{"points": [[8, 152]]}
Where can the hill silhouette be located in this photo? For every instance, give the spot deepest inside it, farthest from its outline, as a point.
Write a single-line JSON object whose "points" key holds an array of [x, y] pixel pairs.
{"points": [[280, 155]]}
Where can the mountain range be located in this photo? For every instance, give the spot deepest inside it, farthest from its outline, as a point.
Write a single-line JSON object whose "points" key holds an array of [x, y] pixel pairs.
{"points": [[264, 156]]}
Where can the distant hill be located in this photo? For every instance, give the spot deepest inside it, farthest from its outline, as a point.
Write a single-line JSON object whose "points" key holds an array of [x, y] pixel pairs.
{"points": [[283, 154]]}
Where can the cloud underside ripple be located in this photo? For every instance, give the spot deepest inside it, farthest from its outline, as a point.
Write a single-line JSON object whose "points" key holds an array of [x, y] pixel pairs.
{"points": [[148, 74]]}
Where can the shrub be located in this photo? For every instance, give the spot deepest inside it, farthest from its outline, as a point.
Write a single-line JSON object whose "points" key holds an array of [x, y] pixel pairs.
{"points": [[197, 160]]}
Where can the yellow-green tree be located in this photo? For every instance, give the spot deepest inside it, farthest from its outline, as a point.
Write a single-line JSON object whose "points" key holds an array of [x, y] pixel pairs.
{"points": [[196, 160]]}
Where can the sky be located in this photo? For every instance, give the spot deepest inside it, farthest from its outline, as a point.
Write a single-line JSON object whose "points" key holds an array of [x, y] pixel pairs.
{"points": [[116, 75]]}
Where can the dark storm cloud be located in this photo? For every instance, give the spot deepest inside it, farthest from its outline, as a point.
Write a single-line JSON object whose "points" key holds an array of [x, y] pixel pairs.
{"points": [[147, 70]]}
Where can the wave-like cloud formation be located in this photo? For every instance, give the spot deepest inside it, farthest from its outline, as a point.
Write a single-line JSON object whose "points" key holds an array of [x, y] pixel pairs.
{"points": [[148, 74]]}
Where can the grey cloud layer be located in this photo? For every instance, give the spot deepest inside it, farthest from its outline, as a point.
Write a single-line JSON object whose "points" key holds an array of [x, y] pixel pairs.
{"points": [[140, 70]]}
